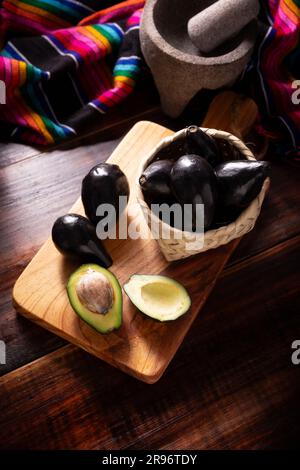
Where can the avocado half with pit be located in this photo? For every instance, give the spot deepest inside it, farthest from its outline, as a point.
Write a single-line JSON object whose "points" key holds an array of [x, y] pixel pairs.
{"points": [[158, 297], [96, 296]]}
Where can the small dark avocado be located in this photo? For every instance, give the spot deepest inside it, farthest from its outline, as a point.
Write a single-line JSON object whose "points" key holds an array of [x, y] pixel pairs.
{"points": [[96, 297], [155, 185], [155, 182], [193, 182], [103, 184], [239, 182], [74, 234], [200, 143]]}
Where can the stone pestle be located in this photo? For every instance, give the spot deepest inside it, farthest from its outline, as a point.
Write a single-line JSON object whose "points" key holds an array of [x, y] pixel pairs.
{"points": [[221, 21]]}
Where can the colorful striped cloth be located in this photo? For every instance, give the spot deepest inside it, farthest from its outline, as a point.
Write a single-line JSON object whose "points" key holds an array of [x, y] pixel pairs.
{"points": [[64, 64], [274, 74]]}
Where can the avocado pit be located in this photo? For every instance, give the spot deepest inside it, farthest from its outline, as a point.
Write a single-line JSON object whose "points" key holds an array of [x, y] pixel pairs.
{"points": [[95, 292]]}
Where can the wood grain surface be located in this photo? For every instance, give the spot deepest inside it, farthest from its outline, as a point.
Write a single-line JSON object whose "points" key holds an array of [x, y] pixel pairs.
{"points": [[142, 347], [232, 385]]}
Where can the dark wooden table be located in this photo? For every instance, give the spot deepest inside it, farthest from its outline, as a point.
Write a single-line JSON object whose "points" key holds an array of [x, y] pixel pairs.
{"points": [[232, 384]]}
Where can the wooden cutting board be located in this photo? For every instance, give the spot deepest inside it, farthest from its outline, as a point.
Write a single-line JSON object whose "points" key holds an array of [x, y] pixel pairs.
{"points": [[141, 347]]}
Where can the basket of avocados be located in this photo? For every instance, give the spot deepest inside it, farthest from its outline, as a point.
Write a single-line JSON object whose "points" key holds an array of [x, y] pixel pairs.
{"points": [[201, 166]]}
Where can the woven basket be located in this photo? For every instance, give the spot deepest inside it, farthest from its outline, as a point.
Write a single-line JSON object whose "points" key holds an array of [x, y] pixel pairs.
{"points": [[174, 246]]}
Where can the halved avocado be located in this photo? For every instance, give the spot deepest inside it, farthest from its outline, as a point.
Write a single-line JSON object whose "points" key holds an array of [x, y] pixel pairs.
{"points": [[158, 297], [96, 296]]}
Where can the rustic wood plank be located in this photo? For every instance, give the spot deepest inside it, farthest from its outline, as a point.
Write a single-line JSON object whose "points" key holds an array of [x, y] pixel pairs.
{"points": [[26, 186], [232, 108], [250, 414], [12, 152], [141, 346], [233, 113], [232, 385]]}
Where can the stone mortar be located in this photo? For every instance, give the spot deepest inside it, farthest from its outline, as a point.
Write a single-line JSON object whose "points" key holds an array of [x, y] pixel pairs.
{"points": [[179, 69]]}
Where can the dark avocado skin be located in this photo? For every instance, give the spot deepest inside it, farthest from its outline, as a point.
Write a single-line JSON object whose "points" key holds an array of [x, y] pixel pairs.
{"points": [[239, 182], [196, 142], [155, 182], [193, 182], [74, 234], [172, 151], [200, 143], [156, 187], [104, 184]]}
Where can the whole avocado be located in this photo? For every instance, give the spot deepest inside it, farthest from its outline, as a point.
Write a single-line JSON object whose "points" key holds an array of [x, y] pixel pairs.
{"points": [[155, 182], [74, 234], [194, 142], [240, 181], [199, 143], [193, 182], [104, 184]]}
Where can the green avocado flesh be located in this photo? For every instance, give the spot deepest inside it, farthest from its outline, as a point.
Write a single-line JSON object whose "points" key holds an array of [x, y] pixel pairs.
{"points": [[96, 296], [158, 297]]}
